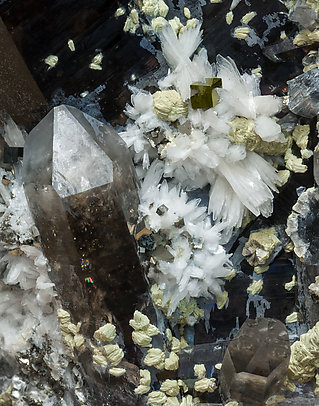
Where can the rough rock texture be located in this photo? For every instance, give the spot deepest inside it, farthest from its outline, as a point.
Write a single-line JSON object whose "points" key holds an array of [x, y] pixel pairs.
{"points": [[255, 362], [308, 303], [302, 229], [81, 188]]}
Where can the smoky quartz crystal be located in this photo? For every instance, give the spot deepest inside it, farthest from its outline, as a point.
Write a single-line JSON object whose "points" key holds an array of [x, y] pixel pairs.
{"points": [[81, 187], [256, 362], [20, 96]]}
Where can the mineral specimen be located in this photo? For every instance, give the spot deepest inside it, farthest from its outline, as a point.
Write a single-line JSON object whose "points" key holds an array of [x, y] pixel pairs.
{"points": [[206, 95], [260, 245], [81, 188], [303, 94], [169, 105], [301, 226], [303, 14], [256, 362], [302, 229], [304, 356]]}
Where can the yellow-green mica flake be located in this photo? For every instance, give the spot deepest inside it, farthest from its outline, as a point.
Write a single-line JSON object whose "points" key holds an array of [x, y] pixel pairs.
{"points": [[284, 175], [310, 67], [293, 317], [257, 72], [221, 300], [170, 387], [6, 398], [306, 37], [243, 132], [117, 371], [293, 163], [300, 135], [304, 357], [157, 398], [187, 12], [206, 96], [119, 12], [260, 245], [51, 60], [229, 17], [189, 308], [155, 357], [290, 285], [261, 269], [169, 105], [145, 382], [185, 307], [158, 24], [155, 8], [200, 370], [205, 385], [132, 22], [255, 287], [231, 275], [241, 32], [176, 24], [314, 4], [248, 17], [157, 296], [71, 45], [172, 362]]}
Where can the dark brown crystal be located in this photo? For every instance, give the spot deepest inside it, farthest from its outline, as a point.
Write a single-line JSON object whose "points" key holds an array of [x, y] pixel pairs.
{"points": [[82, 191], [20, 96], [256, 362]]}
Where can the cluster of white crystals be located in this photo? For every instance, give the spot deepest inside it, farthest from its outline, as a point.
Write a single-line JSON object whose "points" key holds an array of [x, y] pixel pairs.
{"points": [[241, 180], [14, 210], [28, 305], [199, 260], [27, 296], [201, 147]]}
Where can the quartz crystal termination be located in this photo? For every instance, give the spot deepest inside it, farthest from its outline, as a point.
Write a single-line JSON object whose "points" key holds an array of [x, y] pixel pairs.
{"points": [[81, 187], [256, 362]]}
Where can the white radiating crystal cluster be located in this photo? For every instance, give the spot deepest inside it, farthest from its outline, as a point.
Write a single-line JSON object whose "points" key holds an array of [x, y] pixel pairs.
{"points": [[198, 150], [15, 214], [199, 259], [26, 291], [26, 299], [240, 180]]}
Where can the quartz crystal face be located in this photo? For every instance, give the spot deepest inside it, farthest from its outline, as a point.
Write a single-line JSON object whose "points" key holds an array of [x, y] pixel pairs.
{"points": [[82, 191], [256, 362], [68, 177], [303, 94]]}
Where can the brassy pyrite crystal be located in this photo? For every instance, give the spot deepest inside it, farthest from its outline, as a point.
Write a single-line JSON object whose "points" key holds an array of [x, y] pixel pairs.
{"points": [[81, 187]]}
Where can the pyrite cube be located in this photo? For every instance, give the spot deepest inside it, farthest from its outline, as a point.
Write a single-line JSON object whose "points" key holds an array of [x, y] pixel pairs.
{"points": [[206, 96]]}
